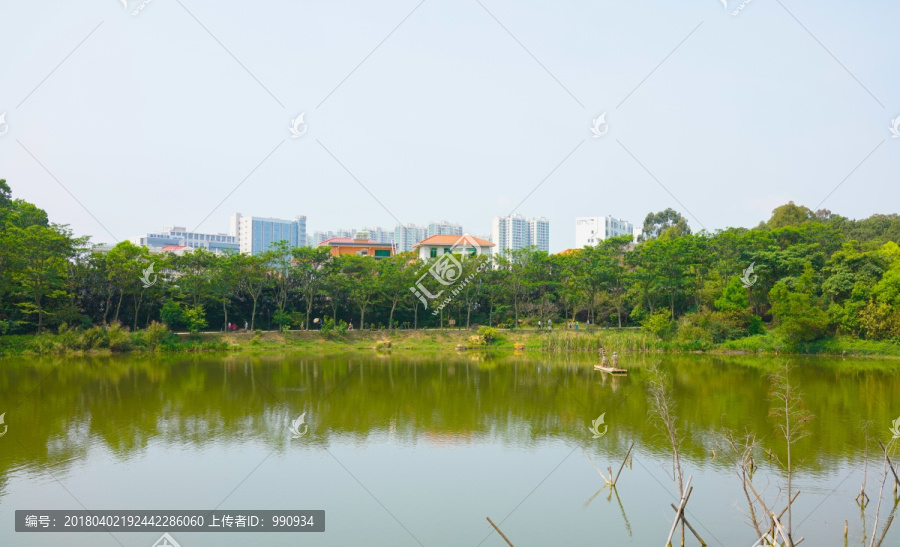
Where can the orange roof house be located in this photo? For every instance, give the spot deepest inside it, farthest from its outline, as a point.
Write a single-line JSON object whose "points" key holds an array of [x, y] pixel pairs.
{"points": [[360, 246], [437, 245]]}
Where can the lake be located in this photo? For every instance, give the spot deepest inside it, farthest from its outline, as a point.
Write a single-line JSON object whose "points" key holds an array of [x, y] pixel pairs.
{"points": [[420, 449]]}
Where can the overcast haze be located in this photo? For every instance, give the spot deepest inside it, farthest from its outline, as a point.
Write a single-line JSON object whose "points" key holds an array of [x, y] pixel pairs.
{"points": [[153, 120]]}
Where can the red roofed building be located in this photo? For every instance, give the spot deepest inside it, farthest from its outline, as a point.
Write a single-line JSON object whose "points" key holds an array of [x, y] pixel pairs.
{"points": [[437, 245], [361, 245]]}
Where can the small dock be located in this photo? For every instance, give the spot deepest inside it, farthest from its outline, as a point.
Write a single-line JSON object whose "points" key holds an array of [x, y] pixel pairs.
{"points": [[610, 370]]}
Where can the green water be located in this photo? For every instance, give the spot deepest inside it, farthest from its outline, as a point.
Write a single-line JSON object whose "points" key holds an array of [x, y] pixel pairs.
{"points": [[419, 450]]}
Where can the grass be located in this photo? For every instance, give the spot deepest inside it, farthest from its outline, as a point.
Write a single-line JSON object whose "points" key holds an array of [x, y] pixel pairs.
{"points": [[631, 341], [96, 341], [770, 343]]}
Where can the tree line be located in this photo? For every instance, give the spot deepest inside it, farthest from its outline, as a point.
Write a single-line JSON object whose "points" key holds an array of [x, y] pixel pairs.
{"points": [[814, 275]]}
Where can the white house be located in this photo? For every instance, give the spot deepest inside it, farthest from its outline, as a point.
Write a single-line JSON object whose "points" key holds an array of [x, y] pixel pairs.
{"points": [[437, 245]]}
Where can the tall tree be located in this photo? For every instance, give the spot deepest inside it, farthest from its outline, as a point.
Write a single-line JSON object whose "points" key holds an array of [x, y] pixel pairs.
{"points": [[39, 265], [396, 276], [363, 280], [311, 271], [252, 280], [657, 223]]}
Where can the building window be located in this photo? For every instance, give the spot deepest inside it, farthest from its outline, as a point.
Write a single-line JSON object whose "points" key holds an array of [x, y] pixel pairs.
{"points": [[433, 252], [381, 253]]}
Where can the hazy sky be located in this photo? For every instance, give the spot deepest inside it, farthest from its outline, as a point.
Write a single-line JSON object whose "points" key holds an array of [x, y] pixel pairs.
{"points": [[446, 109]]}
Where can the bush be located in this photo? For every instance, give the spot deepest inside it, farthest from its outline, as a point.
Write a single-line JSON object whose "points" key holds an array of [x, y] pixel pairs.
{"points": [[693, 337], [702, 329], [43, 344], [172, 315], [95, 338], [488, 335], [329, 326], [195, 318], [153, 337], [797, 316], [659, 324], [119, 339], [69, 338]]}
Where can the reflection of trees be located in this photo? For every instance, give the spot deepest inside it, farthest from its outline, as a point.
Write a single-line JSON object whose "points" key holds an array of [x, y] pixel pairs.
{"points": [[127, 402]]}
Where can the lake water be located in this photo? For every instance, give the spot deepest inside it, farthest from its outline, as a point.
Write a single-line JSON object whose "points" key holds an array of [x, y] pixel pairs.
{"points": [[409, 450]]}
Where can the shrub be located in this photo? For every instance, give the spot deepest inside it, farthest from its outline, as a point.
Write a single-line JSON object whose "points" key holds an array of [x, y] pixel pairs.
{"points": [[95, 338], [43, 344], [172, 314], [693, 337], [195, 318], [153, 337], [488, 335], [330, 326], [797, 316], [659, 324], [69, 338], [119, 339]]}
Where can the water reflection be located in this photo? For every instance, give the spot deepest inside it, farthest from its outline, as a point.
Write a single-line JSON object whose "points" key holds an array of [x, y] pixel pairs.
{"points": [[123, 403]]}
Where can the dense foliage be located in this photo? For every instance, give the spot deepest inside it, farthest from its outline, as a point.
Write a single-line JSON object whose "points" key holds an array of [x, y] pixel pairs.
{"points": [[815, 275]]}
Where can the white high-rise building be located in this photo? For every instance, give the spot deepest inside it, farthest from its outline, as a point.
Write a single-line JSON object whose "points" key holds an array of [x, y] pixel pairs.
{"points": [[444, 228], [514, 232], [407, 236], [539, 233], [593, 230], [257, 235]]}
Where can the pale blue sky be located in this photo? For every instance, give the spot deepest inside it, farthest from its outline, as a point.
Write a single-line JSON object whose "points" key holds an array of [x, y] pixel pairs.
{"points": [[151, 122]]}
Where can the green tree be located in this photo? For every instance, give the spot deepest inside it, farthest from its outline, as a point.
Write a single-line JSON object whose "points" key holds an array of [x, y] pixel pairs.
{"points": [[126, 263], [311, 272], [362, 276], [657, 223], [734, 297], [195, 319], [38, 258], [226, 277], [252, 280], [789, 214], [395, 277], [797, 317]]}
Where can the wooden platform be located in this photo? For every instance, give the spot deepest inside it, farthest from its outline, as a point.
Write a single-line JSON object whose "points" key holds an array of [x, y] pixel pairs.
{"points": [[610, 370]]}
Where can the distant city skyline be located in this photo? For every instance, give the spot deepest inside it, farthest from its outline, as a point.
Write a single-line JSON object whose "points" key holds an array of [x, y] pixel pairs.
{"points": [[377, 114]]}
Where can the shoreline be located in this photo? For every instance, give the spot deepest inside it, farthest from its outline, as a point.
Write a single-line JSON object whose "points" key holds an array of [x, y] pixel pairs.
{"points": [[557, 342]]}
